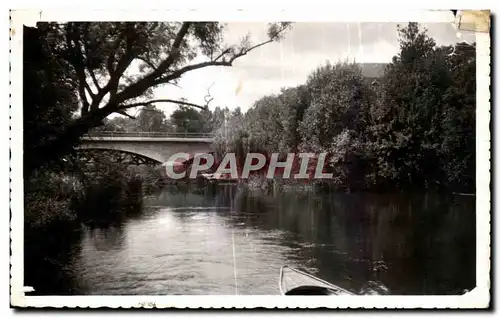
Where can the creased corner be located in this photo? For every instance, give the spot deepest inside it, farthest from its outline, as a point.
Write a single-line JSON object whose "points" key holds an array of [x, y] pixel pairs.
{"points": [[473, 20], [25, 17]]}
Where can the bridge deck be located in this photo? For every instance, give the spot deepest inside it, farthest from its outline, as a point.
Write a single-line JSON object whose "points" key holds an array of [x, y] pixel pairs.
{"points": [[159, 147], [148, 136], [147, 139]]}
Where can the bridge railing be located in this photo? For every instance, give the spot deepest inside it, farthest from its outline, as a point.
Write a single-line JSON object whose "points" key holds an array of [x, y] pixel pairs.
{"points": [[158, 134]]}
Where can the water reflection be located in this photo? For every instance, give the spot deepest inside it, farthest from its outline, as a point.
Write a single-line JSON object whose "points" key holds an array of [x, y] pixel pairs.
{"points": [[228, 241], [104, 239]]}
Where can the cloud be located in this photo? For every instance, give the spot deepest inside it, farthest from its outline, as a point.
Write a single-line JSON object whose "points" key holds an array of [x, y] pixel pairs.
{"points": [[288, 63]]}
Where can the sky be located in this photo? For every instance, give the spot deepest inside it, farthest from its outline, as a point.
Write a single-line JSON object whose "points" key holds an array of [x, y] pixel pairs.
{"points": [[287, 63]]}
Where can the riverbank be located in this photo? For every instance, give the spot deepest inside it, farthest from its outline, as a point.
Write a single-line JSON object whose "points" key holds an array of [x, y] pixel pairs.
{"points": [[104, 193], [107, 193], [262, 184]]}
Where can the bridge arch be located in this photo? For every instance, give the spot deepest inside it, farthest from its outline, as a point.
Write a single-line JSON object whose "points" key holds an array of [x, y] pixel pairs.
{"points": [[121, 156], [159, 149]]}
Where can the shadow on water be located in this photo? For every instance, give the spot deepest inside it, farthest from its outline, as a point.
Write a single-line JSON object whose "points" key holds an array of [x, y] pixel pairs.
{"points": [[412, 244], [47, 260], [181, 243]]}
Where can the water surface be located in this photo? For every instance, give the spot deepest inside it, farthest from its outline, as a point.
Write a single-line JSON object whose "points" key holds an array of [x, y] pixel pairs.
{"points": [[226, 242]]}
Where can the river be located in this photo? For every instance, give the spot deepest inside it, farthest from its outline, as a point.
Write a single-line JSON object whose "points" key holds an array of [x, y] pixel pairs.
{"points": [[225, 242]]}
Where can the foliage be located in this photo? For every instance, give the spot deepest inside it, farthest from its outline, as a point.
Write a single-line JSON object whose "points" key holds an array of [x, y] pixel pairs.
{"points": [[186, 119], [424, 88], [48, 199], [110, 193], [97, 60], [256, 130], [48, 94], [76, 74], [413, 128], [340, 100], [232, 135], [101, 192], [151, 119]]}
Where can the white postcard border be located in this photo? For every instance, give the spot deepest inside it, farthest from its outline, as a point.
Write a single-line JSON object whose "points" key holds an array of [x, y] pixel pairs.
{"points": [[477, 298]]}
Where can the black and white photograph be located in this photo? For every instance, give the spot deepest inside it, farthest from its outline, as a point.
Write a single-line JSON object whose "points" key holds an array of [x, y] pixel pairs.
{"points": [[158, 159]]}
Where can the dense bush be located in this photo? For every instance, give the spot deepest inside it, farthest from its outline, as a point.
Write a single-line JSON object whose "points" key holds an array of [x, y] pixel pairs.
{"points": [[102, 192], [414, 128], [48, 199]]}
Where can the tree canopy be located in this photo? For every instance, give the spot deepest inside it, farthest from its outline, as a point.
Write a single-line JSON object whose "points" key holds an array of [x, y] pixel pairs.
{"points": [[413, 129], [96, 59]]}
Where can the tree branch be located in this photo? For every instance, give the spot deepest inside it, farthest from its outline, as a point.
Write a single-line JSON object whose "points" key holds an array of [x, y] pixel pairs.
{"points": [[112, 55], [120, 69], [174, 52], [208, 98], [87, 86], [222, 54], [86, 64], [94, 79], [156, 77], [244, 51], [115, 75], [178, 73], [77, 62], [147, 62], [124, 113], [153, 101], [143, 84], [82, 84]]}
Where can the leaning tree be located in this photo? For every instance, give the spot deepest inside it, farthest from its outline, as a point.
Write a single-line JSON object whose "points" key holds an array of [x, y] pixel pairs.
{"points": [[114, 66]]}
